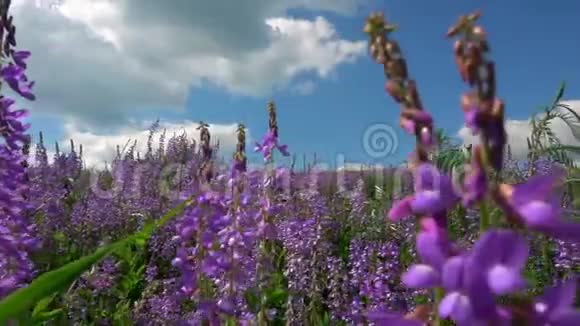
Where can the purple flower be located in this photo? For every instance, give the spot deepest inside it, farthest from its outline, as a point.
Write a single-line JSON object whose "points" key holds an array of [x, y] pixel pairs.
{"points": [[434, 193], [17, 233], [380, 317], [269, 143], [434, 249], [493, 130], [17, 80], [20, 57], [413, 119], [475, 183], [473, 120], [501, 256], [555, 306], [537, 205], [473, 279]]}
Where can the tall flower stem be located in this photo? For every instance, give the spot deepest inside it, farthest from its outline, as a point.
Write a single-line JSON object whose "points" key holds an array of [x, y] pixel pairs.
{"points": [[484, 218], [439, 294]]}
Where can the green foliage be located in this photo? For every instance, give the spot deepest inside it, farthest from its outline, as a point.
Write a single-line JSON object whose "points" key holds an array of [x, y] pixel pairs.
{"points": [[54, 281], [543, 141], [451, 155], [40, 293]]}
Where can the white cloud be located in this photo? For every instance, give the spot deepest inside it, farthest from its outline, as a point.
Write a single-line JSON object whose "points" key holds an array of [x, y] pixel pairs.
{"points": [[519, 130], [99, 61], [305, 88], [98, 149]]}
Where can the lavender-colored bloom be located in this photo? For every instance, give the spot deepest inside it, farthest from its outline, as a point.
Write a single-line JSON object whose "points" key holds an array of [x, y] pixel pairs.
{"points": [[537, 205], [17, 80], [434, 193], [472, 119], [468, 300], [386, 318], [471, 280], [475, 183], [555, 306], [501, 256], [411, 120], [20, 57], [17, 233], [493, 130], [434, 249], [269, 143]]}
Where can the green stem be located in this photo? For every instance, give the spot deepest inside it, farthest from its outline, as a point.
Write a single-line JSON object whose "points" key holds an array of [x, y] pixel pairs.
{"points": [[439, 294], [484, 216]]}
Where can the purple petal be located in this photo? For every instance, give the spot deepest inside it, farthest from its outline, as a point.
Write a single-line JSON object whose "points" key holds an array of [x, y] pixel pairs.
{"points": [[432, 244], [385, 318], [539, 187], [563, 231], [566, 318], [284, 150], [421, 276], [453, 273], [427, 201], [457, 306], [560, 296], [472, 120], [475, 187], [500, 246], [20, 58], [409, 126], [538, 213], [426, 176], [400, 209], [503, 280]]}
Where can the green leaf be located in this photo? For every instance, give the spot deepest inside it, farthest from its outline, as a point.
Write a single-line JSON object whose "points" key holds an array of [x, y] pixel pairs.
{"points": [[55, 281], [277, 296], [50, 282], [42, 305], [46, 316], [59, 236], [252, 300], [559, 94]]}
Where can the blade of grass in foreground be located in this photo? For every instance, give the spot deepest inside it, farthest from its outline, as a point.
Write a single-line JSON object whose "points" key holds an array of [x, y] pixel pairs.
{"points": [[21, 300]]}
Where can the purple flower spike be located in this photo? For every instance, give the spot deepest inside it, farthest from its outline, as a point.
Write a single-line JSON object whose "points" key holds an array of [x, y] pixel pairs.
{"points": [[537, 205], [501, 256], [269, 143], [555, 306]]}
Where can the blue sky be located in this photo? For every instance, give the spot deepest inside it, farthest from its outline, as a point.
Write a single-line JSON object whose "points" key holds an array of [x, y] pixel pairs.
{"points": [[535, 44]]}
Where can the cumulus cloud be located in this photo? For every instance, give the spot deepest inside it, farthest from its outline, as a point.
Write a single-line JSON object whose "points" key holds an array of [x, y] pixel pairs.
{"points": [[100, 149], [519, 130], [99, 61]]}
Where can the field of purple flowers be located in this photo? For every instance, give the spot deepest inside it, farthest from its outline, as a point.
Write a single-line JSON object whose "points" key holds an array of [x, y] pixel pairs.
{"points": [[175, 236]]}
